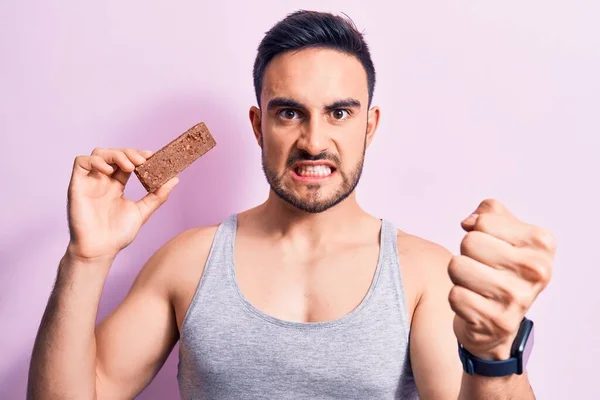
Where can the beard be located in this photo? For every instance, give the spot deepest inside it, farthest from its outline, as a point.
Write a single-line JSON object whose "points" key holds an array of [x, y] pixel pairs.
{"points": [[313, 202]]}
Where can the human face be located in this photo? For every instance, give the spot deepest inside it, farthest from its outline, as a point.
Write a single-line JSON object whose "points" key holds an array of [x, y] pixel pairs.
{"points": [[314, 126]]}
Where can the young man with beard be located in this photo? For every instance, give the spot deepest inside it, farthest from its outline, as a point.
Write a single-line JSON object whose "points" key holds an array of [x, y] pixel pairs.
{"points": [[306, 296]]}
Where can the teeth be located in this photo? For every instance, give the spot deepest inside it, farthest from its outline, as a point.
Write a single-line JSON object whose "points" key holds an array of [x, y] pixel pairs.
{"points": [[316, 170]]}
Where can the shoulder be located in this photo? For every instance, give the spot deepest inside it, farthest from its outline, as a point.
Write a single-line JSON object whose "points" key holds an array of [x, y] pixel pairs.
{"points": [[189, 243], [424, 267], [425, 254], [182, 255]]}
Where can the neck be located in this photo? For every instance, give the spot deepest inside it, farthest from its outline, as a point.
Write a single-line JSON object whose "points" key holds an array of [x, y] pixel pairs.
{"points": [[283, 219]]}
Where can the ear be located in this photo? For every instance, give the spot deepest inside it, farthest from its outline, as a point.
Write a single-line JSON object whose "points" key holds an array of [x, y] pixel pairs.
{"points": [[255, 120], [372, 123]]}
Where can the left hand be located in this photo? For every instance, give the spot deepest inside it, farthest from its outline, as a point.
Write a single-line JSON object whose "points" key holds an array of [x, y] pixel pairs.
{"points": [[504, 264]]}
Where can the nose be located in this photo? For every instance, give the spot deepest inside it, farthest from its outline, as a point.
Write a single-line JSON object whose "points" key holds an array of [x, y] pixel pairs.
{"points": [[314, 138]]}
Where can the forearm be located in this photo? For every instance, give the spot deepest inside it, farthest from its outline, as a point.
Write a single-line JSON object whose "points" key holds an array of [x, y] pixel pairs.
{"points": [[63, 363], [475, 387]]}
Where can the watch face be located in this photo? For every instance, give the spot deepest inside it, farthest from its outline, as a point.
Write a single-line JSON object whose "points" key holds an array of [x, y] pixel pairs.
{"points": [[528, 347]]}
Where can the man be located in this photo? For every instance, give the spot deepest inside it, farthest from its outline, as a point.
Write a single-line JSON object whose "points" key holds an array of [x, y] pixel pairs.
{"points": [[305, 296]]}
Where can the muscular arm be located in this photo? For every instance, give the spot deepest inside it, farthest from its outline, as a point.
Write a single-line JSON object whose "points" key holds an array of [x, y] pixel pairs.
{"points": [[63, 360], [74, 359], [134, 341], [434, 353]]}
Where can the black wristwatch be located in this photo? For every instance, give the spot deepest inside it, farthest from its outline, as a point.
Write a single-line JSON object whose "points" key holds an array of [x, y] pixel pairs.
{"points": [[519, 355]]}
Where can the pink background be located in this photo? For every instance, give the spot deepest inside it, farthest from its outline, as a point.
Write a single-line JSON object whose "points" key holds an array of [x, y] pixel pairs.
{"points": [[479, 100]]}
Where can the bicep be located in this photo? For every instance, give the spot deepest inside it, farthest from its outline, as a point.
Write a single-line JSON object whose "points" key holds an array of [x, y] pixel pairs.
{"points": [[433, 346], [134, 341]]}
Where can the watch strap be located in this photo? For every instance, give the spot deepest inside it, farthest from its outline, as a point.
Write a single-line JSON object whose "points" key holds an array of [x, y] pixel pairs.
{"points": [[477, 366]]}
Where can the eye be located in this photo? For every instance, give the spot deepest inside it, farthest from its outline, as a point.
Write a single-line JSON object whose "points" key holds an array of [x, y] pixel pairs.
{"points": [[288, 113], [340, 114]]}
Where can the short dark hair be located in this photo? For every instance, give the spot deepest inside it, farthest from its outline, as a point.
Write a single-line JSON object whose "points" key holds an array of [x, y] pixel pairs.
{"points": [[306, 29]]}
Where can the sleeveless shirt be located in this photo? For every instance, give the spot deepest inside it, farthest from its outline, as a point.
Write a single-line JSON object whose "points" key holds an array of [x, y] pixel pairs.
{"points": [[231, 350]]}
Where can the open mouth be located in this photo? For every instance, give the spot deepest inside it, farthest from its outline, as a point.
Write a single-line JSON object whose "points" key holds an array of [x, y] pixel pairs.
{"points": [[313, 172]]}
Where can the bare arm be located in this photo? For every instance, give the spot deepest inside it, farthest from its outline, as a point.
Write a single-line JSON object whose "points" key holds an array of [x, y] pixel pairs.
{"points": [[119, 357], [63, 359], [136, 339], [102, 222], [434, 352]]}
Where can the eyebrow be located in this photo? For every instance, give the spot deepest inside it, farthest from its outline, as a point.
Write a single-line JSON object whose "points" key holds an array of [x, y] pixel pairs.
{"points": [[291, 103], [346, 103], [283, 102]]}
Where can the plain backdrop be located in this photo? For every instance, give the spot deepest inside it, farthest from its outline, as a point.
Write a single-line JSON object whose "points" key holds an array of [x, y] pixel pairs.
{"points": [[479, 99]]}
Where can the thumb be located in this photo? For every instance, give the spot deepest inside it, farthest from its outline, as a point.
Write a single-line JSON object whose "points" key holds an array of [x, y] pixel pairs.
{"points": [[150, 202]]}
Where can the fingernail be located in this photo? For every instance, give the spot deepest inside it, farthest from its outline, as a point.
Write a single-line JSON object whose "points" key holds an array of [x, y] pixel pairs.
{"points": [[471, 219]]}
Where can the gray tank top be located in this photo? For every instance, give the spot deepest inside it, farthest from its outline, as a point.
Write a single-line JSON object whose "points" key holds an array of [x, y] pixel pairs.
{"points": [[231, 350]]}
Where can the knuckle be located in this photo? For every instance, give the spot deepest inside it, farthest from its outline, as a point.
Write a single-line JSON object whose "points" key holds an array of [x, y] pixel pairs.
{"points": [[163, 198], [473, 336], [504, 295], [127, 158], [122, 159], [544, 239], [454, 266], [483, 222], [454, 297], [546, 276], [536, 271], [491, 204], [468, 241], [78, 161], [502, 324], [96, 151], [523, 302], [520, 300], [478, 334], [120, 154]]}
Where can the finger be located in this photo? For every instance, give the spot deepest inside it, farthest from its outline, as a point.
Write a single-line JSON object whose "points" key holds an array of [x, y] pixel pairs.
{"points": [[484, 317], [493, 284], [534, 267], [488, 206], [492, 206], [470, 306], [135, 156], [489, 250], [527, 264], [115, 157], [136, 159], [146, 153], [119, 159], [514, 231], [150, 202], [504, 227], [86, 164]]}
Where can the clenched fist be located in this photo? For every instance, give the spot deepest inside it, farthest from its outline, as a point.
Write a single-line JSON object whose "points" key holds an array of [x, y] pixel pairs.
{"points": [[504, 264]]}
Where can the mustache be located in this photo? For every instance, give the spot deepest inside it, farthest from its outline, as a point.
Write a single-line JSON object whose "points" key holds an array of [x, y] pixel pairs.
{"points": [[302, 155]]}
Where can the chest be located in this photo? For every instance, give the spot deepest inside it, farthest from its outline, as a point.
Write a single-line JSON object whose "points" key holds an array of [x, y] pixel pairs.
{"points": [[365, 357], [305, 287], [299, 288], [261, 345]]}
